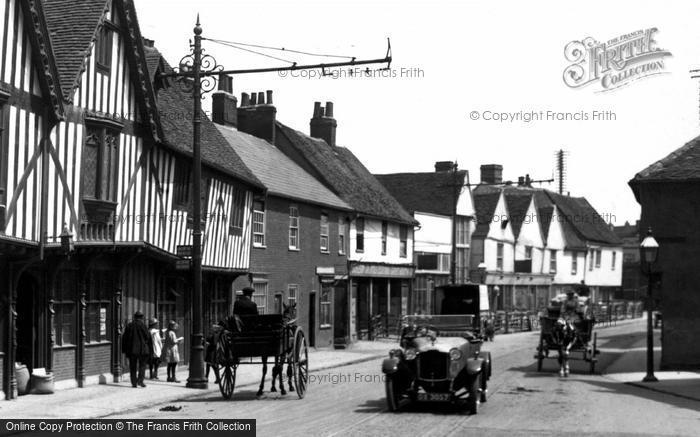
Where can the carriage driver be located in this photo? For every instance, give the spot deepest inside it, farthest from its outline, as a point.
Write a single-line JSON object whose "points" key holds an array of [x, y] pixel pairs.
{"points": [[244, 305], [571, 309]]}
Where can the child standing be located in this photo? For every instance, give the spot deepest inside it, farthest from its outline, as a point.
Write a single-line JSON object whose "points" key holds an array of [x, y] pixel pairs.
{"points": [[171, 355], [154, 362]]}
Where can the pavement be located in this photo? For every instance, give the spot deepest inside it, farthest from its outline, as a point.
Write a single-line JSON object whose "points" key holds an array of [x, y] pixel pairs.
{"points": [[100, 400], [630, 368]]}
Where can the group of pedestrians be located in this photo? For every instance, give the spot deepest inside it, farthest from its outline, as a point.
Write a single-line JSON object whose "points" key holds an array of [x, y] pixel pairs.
{"points": [[144, 346]]}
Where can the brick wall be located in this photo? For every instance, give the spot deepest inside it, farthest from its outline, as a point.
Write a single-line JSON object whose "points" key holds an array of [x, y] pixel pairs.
{"points": [[64, 363], [97, 359], [282, 266]]}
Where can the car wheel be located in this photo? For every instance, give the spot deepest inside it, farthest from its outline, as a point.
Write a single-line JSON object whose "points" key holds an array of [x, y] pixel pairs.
{"points": [[474, 395]]}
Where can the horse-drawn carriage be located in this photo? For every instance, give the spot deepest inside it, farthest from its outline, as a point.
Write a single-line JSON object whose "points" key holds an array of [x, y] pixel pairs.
{"points": [[244, 338], [566, 336]]}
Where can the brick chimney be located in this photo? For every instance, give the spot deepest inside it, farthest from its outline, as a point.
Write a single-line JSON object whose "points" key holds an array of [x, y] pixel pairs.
{"points": [[257, 115], [491, 174], [443, 166], [224, 104], [323, 125]]}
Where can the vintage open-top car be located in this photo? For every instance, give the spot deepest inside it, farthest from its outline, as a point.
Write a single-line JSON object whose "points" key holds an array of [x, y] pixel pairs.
{"points": [[440, 357]]}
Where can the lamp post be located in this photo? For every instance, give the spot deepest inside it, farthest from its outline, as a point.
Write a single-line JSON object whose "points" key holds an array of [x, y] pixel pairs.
{"points": [[649, 251]]}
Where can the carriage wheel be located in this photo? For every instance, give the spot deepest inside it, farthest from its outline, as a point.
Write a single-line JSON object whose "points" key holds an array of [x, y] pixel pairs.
{"points": [[594, 352], [540, 353], [300, 360], [227, 380]]}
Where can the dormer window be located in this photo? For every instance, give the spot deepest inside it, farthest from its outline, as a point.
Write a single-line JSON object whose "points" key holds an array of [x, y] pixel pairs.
{"points": [[103, 48]]}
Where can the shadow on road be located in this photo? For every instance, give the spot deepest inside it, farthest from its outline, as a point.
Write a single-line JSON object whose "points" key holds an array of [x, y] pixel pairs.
{"points": [[379, 405], [241, 396]]}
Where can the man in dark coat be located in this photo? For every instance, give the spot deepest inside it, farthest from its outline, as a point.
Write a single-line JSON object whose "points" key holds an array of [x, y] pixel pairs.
{"points": [[245, 306], [137, 345]]}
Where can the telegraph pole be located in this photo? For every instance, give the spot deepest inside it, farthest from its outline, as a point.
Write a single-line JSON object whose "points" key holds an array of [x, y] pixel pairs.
{"points": [[455, 196], [200, 77]]}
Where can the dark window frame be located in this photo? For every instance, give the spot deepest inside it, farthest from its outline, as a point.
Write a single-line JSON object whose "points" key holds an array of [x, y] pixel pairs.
{"points": [[403, 241], [103, 48], [182, 185], [385, 235], [105, 137], [238, 206], [360, 235], [325, 227]]}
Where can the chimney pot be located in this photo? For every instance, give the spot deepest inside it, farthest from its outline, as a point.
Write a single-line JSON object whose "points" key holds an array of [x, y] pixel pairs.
{"points": [[261, 98], [253, 99], [323, 125], [269, 97], [245, 99]]}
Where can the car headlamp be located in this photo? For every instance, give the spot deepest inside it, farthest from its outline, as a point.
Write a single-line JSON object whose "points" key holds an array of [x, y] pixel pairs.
{"points": [[410, 354], [455, 354]]}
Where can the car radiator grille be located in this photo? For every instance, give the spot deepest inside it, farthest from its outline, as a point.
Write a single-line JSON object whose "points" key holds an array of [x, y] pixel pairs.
{"points": [[433, 365]]}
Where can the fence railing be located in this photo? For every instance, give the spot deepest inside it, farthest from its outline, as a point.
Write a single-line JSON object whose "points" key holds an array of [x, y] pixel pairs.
{"points": [[505, 322]]}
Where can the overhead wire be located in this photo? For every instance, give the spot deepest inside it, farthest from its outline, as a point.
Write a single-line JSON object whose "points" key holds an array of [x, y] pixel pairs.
{"points": [[282, 49]]}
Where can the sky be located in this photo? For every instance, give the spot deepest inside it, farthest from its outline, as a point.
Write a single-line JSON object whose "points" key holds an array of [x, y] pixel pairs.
{"points": [[452, 60]]}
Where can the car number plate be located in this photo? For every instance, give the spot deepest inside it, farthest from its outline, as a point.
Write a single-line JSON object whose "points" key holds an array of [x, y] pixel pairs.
{"points": [[434, 397]]}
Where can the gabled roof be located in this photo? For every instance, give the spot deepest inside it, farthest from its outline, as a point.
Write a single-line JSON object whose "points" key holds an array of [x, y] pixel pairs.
{"points": [[518, 204], [584, 219], [176, 108], [581, 223], [73, 28], [680, 165], [544, 218], [44, 60], [343, 173], [281, 176], [485, 206], [424, 192], [72, 25]]}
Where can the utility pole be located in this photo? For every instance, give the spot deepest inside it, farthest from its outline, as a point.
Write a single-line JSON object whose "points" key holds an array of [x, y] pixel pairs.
{"points": [[203, 70]]}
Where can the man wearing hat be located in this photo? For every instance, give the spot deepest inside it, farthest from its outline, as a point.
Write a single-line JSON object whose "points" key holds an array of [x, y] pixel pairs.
{"points": [[137, 345], [244, 305]]}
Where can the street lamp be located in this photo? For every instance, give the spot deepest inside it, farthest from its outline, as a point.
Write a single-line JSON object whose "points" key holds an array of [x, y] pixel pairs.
{"points": [[649, 251]]}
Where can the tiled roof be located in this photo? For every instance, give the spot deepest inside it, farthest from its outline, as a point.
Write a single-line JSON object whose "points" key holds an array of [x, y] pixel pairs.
{"points": [[586, 221], [72, 25], [485, 206], [347, 177], [627, 231], [280, 175], [681, 164], [518, 204], [424, 192], [544, 218], [580, 222], [175, 108]]}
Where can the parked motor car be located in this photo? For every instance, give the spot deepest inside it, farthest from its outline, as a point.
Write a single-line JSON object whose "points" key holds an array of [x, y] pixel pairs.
{"points": [[439, 358]]}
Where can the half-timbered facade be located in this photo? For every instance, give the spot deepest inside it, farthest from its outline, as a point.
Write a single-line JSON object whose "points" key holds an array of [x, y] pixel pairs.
{"points": [[94, 156]]}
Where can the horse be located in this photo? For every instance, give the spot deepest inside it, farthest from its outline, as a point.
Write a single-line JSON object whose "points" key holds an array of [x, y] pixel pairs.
{"points": [[564, 333], [289, 315]]}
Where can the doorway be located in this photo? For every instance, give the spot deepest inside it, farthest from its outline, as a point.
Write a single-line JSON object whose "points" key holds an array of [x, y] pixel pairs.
{"points": [[312, 319], [28, 323]]}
